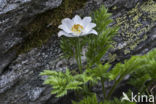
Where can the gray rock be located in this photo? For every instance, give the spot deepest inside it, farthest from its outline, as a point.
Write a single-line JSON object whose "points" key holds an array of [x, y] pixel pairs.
{"points": [[24, 74], [15, 14]]}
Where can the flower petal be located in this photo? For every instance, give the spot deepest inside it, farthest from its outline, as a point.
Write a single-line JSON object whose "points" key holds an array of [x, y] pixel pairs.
{"points": [[91, 32], [64, 28], [66, 25], [67, 21], [77, 20], [89, 27], [86, 21], [61, 33]]}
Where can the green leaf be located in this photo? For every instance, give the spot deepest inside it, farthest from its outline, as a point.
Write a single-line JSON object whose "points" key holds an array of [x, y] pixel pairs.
{"points": [[62, 82], [99, 45], [100, 71]]}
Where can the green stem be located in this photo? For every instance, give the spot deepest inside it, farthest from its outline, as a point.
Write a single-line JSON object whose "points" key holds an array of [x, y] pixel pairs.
{"points": [[114, 86], [78, 56], [103, 88], [77, 61]]}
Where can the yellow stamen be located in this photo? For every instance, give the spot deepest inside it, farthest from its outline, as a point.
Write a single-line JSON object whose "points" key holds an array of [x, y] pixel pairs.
{"points": [[77, 28]]}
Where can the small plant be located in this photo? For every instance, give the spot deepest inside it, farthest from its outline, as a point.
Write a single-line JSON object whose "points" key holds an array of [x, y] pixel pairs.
{"points": [[141, 68], [77, 34], [62, 82]]}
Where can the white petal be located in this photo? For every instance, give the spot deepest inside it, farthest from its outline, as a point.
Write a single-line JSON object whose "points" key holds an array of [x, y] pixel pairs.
{"points": [[91, 32], [67, 21], [89, 27], [64, 28], [77, 20], [66, 25], [86, 21], [61, 33]]}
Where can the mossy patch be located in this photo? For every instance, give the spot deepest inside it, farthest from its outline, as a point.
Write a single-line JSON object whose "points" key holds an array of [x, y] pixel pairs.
{"points": [[45, 24]]}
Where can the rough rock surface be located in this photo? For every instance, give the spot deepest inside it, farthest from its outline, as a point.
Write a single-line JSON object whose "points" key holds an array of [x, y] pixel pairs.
{"points": [[15, 14], [20, 82]]}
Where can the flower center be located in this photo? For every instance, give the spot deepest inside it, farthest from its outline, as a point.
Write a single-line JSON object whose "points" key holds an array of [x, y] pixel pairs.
{"points": [[77, 28]]}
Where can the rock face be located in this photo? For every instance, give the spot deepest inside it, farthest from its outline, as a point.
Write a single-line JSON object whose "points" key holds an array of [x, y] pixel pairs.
{"points": [[20, 82], [14, 14], [24, 74]]}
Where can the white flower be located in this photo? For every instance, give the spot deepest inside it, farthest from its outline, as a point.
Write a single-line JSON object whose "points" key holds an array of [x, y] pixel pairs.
{"points": [[77, 27]]}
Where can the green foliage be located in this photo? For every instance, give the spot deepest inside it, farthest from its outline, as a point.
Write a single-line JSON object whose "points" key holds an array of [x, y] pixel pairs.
{"points": [[62, 82], [100, 71], [146, 72], [99, 45], [72, 48], [68, 46], [88, 100], [150, 67], [93, 100], [122, 69], [136, 64], [141, 68]]}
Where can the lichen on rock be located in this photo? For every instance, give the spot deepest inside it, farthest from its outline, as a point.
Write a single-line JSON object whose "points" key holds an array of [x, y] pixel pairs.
{"points": [[150, 8], [134, 25]]}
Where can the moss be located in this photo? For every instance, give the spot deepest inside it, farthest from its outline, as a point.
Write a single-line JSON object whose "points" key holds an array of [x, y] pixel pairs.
{"points": [[135, 24], [45, 24]]}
